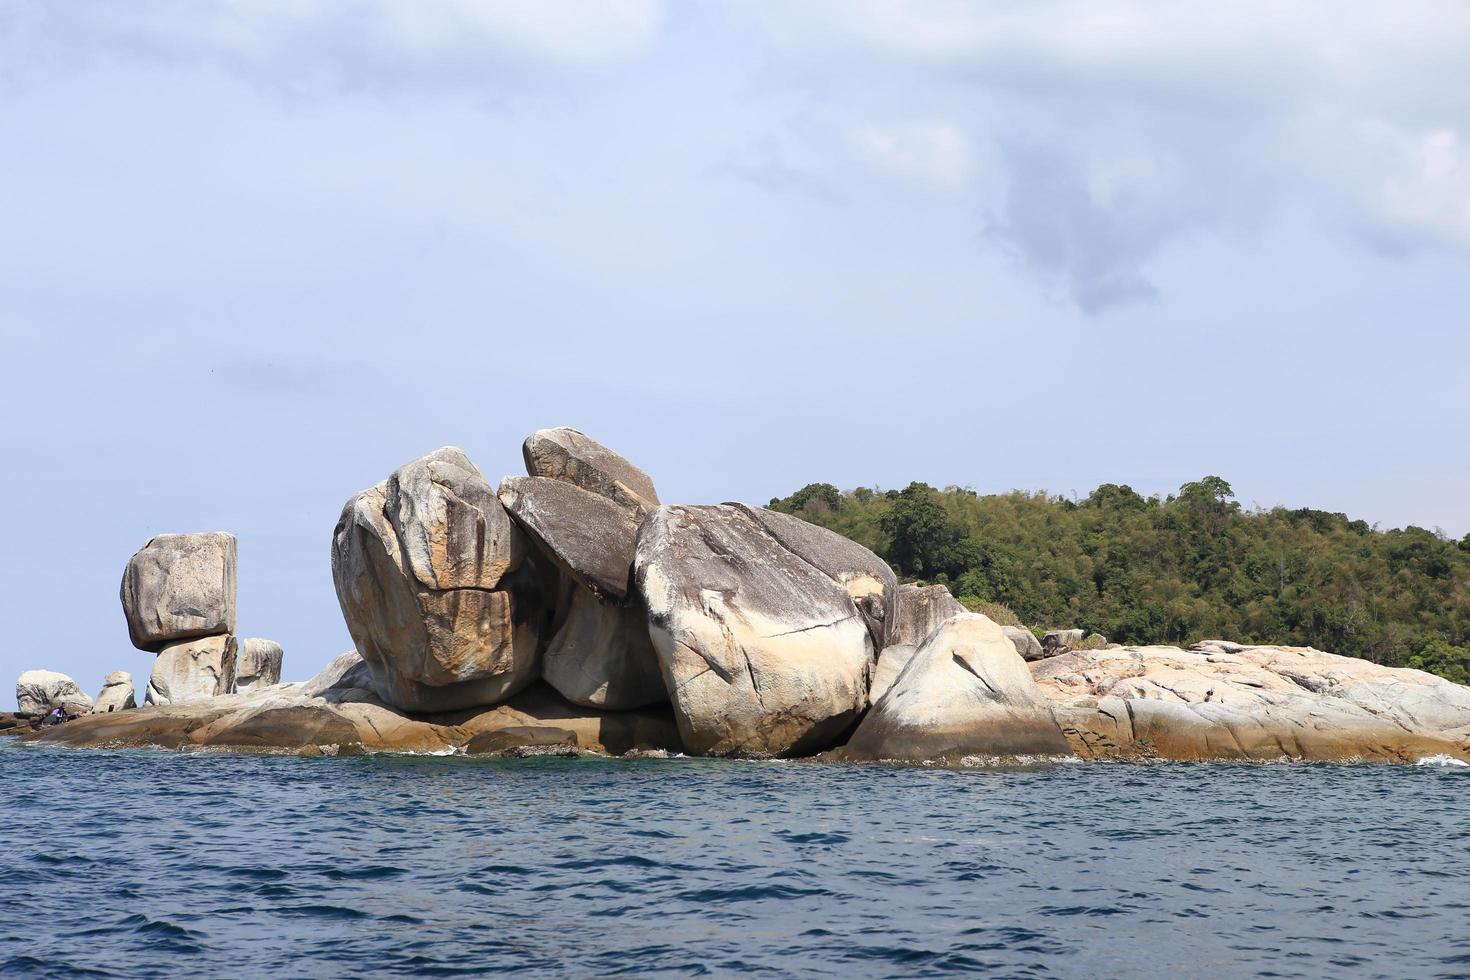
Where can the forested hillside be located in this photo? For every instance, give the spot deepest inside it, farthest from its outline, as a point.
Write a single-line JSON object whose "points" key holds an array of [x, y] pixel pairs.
{"points": [[1176, 569]]}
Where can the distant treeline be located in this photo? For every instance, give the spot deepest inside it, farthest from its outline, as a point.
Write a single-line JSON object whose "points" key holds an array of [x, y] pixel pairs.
{"points": [[1176, 569]]}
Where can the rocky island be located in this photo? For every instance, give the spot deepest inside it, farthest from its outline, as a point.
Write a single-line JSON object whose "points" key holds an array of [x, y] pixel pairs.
{"points": [[570, 610]]}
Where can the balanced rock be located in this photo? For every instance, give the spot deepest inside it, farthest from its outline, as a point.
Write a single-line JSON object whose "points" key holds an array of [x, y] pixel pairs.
{"points": [[763, 644], [117, 693], [919, 612], [965, 692], [600, 654], [568, 455], [1026, 643], [440, 589], [179, 586], [258, 664], [192, 670], [38, 692]]}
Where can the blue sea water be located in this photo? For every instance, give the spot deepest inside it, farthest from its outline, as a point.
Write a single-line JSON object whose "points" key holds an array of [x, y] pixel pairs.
{"points": [[153, 864]]}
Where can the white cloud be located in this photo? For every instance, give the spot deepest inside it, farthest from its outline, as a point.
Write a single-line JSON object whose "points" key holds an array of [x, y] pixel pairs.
{"points": [[1122, 127]]}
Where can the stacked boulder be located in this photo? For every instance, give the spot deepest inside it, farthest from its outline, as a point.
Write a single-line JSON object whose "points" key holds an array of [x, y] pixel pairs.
{"points": [[760, 633], [257, 664], [178, 595], [117, 693]]}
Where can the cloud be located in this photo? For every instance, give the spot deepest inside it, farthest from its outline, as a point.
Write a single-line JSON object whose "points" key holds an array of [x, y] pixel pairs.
{"points": [[315, 44], [932, 154], [1124, 128]]}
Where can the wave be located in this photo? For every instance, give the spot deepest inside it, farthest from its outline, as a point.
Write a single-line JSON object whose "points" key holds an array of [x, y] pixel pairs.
{"points": [[1443, 761]]}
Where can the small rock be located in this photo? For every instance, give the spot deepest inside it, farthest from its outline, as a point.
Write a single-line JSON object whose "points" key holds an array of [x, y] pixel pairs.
{"points": [[520, 736], [37, 692], [258, 665], [1026, 643], [568, 455], [117, 693]]}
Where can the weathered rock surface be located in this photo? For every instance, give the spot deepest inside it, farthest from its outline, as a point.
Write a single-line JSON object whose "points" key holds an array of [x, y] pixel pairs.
{"points": [[920, 611], [37, 692], [891, 663], [568, 455], [117, 693], [333, 714], [589, 537], [1025, 641], [14, 723], [965, 692], [602, 655], [192, 670], [1258, 703], [258, 664], [179, 586], [764, 637], [520, 736], [440, 589]]}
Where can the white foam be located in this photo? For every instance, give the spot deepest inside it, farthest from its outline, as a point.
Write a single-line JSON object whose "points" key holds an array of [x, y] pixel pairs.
{"points": [[1445, 761]]}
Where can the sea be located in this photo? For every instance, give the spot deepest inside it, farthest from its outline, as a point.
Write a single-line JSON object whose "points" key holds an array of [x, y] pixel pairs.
{"points": [[164, 864]]}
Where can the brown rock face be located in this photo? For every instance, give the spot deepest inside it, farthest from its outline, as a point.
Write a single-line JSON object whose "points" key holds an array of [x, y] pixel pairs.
{"points": [[1261, 703], [964, 692], [568, 455], [180, 586], [440, 590]]}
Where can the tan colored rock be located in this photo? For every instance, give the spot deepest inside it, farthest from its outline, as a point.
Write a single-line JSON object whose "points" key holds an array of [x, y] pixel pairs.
{"points": [[192, 670], [117, 693], [1261, 703], [965, 692], [441, 592], [37, 692], [258, 664], [891, 663], [568, 455], [920, 611], [180, 586], [763, 650], [1054, 642]]}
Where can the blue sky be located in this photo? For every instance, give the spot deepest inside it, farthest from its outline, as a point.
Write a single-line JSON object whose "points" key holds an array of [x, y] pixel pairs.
{"points": [[253, 256]]}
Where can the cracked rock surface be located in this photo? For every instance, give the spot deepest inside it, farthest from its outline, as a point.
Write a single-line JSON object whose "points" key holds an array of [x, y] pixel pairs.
{"points": [[763, 624]]}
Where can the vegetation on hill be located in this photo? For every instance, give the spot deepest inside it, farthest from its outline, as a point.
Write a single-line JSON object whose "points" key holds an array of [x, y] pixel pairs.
{"points": [[1176, 569]]}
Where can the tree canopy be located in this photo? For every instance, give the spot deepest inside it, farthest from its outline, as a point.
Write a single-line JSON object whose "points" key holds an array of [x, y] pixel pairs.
{"points": [[1173, 569]]}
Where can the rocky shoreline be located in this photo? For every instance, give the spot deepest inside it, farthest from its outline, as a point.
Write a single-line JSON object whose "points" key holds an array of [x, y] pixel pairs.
{"points": [[570, 611]]}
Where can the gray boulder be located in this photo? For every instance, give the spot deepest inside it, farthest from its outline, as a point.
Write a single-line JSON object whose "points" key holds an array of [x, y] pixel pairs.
{"points": [[568, 455], [258, 664], [1026, 643], [587, 536], [964, 692], [1054, 642], [601, 656], [192, 670], [37, 692], [920, 610], [441, 591], [179, 586], [117, 693], [764, 650]]}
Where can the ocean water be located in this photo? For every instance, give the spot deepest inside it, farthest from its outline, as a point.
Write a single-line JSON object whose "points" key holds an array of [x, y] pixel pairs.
{"points": [[144, 864]]}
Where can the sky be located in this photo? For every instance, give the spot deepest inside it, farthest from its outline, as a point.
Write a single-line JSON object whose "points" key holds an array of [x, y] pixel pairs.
{"points": [[256, 255]]}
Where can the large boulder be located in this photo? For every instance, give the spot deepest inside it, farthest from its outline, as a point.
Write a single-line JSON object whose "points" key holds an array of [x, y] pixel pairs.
{"points": [[1026, 643], [37, 692], [919, 611], [258, 664], [1262, 703], [179, 586], [441, 591], [568, 455], [764, 637], [117, 693], [192, 670], [600, 654], [965, 692]]}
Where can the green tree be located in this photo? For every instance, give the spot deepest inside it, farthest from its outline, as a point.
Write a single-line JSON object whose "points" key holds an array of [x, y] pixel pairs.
{"points": [[922, 541]]}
